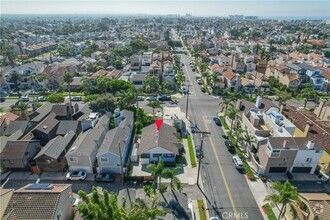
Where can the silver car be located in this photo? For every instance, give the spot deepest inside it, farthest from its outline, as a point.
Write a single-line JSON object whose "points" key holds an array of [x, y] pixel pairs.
{"points": [[76, 175], [238, 162]]}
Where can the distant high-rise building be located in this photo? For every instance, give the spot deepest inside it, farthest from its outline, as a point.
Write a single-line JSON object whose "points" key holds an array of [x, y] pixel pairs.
{"points": [[251, 18], [236, 17]]}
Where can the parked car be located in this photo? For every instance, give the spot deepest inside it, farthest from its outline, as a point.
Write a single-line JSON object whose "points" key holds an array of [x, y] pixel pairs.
{"points": [[174, 102], [140, 98], [105, 177], [164, 98], [198, 151], [76, 175], [41, 99], [75, 202], [217, 121], [2, 99], [289, 175], [199, 81], [152, 98], [238, 162], [25, 99], [225, 136], [193, 129], [76, 98], [184, 90], [203, 89], [230, 146]]}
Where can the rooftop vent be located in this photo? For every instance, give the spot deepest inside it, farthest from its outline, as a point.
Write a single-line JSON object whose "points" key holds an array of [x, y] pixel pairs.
{"points": [[310, 145], [45, 127], [286, 144]]}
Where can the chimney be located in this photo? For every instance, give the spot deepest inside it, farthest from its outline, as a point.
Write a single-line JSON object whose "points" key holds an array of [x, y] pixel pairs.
{"points": [[258, 101], [308, 128], [285, 144], [310, 145]]}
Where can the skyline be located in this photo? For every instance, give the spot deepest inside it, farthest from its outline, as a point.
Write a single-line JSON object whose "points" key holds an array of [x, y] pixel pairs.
{"points": [[268, 8]]}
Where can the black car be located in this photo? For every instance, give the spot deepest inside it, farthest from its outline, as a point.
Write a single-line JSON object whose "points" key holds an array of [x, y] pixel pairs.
{"points": [[2, 99], [164, 98], [229, 145], [105, 177], [217, 121], [225, 136], [203, 89]]}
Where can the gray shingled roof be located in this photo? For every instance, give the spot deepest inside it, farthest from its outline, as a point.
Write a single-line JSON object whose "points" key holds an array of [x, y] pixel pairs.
{"points": [[307, 67], [43, 111], [15, 126], [129, 117], [167, 138], [67, 125], [111, 142], [55, 147]]}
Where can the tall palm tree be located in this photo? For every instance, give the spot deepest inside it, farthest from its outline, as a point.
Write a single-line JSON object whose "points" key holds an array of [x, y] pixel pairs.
{"points": [[286, 193], [35, 79], [153, 105], [22, 107], [231, 114], [156, 171], [151, 84], [282, 98], [308, 93], [171, 173], [68, 79], [15, 78], [225, 104], [248, 139], [179, 78]]}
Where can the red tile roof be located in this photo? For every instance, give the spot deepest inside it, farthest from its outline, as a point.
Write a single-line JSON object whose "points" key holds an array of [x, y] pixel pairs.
{"points": [[8, 117]]}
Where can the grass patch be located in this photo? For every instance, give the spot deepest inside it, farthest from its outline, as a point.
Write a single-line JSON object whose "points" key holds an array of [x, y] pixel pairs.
{"points": [[180, 159], [73, 93], [180, 139], [191, 152], [12, 98], [202, 210], [223, 122], [269, 212]]}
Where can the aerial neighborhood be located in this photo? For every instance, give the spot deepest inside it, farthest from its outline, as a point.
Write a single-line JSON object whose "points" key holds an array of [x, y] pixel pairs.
{"points": [[181, 117]]}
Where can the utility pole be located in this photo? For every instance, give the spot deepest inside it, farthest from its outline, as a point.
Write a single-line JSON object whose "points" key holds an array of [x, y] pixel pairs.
{"points": [[187, 101], [203, 134]]}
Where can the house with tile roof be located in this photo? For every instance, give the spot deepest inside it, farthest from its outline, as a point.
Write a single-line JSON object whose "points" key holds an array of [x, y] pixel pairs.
{"points": [[41, 201], [5, 121], [156, 145]]}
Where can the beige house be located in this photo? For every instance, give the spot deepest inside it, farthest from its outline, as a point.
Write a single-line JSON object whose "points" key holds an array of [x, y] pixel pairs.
{"points": [[310, 207], [5, 195]]}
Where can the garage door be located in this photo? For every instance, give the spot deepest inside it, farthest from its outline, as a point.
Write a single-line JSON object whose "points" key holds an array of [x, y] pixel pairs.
{"points": [[277, 169], [301, 169]]}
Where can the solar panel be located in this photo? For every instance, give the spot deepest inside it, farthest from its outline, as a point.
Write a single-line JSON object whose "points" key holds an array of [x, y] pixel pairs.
{"points": [[39, 186]]}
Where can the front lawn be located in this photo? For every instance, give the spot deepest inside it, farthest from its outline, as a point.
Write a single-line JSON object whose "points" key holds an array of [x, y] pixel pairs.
{"points": [[191, 152], [269, 212], [201, 209]]}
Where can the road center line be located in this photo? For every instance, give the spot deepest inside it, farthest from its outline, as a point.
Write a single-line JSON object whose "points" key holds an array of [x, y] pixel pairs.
{"points": [[222, 173]]}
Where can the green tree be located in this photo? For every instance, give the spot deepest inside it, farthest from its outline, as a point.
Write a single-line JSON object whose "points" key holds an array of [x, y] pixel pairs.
{"points": [[117, 85], [286, 193], [157, 170], [22, 107], [153, 105], [118, 64], [86, 86], [231, 113], [179, 78], [138, 45], [106, 207], [15, 77], [1, 110], [105, 102], [55, 98], [171, 174], [126, 99], [308, 93], [151, 84], [283, 97], [102, 84]]}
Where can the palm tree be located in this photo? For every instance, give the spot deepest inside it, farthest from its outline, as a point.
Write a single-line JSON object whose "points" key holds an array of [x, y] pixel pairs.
{"points": [[68, 79], [248, 139], [171, 173], [126, 99], [153, 105], [282, 98], [286, 193], [179, 78], [35, 79], [15, 77], [156, 170], [225, 103], [196, 54], [22, 107], [231, 113], [102, 83], [151, 84], [308, 93]]}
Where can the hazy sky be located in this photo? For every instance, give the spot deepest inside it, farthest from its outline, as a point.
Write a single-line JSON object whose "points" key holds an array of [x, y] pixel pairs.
{"points": [[307, 8]]}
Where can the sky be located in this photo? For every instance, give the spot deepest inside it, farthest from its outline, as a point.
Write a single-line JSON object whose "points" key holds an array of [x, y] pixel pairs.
{"points": [[262, 8]]}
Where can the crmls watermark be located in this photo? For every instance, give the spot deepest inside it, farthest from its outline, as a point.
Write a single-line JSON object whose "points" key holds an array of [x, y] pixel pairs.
{"points": [[232, 215]]}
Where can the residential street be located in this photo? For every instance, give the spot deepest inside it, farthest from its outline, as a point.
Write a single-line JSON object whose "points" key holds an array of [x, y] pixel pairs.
{"points": [[226, 191]]}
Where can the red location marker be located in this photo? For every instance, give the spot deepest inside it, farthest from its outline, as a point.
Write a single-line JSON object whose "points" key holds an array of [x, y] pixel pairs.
{"points": [[159, 123]]}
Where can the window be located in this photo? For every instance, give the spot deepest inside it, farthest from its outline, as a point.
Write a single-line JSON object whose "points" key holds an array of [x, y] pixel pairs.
{"points": [[145, 155], [168, 155], [104, 160], [309, 159], [73, 159], [11, 161], [157, 155], [276, 153]]}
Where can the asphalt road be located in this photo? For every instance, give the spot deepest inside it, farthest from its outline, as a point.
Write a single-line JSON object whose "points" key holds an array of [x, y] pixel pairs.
{"points": [[225, 188]]}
